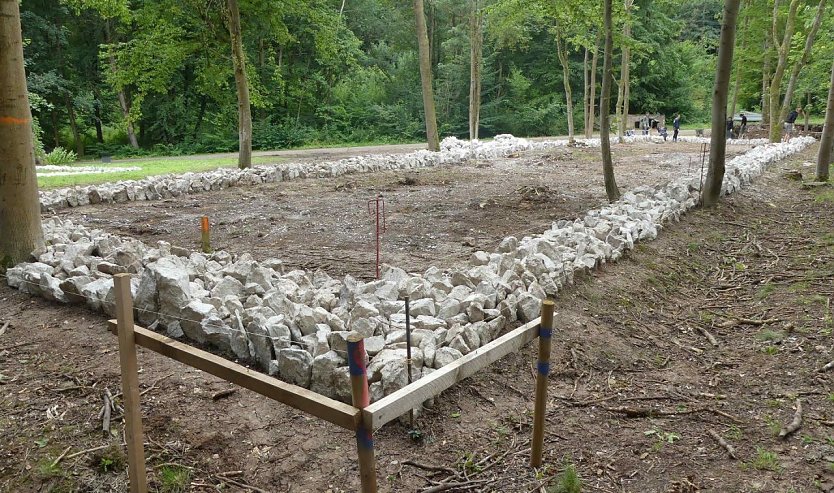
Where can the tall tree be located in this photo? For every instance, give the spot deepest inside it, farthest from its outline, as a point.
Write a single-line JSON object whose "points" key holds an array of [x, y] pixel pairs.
{"points": [[476, 41], [592, 89], [20, 219], [803, 60], [782, 53], [827, 140], [562, 52], [625, 72], [244, 109], [718, 145], [611, 189], [426, 77]]}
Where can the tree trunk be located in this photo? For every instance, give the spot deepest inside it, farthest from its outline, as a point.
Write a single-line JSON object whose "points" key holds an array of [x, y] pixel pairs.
{"points": [[618, 107], [79, 142], [827, 139], [766, 83], [808, 113], [604, 108], [426, 78], [778, 74], [738, 66], [800, 64], [586, 89], [123, 103], [626, 70], [589, 133], [718, 145], [244, 109], [99, 129], [562, 51], [20, 210], [475, 58]]}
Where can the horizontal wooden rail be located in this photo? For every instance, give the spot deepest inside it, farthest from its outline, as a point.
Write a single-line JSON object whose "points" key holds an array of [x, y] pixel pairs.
{"points": [[411, 396], [300, 398]]}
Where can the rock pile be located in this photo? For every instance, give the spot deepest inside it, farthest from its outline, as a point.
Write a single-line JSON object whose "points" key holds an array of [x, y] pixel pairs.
{"points": [[453, 151], [295, 324]]}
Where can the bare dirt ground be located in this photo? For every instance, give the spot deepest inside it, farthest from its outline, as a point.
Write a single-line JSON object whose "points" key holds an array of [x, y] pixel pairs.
{"points": [[436, 216], [635, 388]]}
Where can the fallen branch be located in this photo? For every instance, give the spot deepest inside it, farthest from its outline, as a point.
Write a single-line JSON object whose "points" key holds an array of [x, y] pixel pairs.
{"points": [[795, 424], [239, 485], [729, 448], [709, 336], [826, 367], [4, 327], [223, 394], [155, 382], [462, 486], [56, 461]]}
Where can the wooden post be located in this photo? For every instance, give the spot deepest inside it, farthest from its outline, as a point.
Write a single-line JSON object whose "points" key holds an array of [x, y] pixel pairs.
{"points": [[545, 336], [130, 385], [204, 229], [361, 400]]}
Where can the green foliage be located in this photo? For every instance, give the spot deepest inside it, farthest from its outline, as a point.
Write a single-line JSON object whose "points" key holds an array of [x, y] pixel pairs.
{"points": [[765, 460], [567, 481], [174, 479], [59, 156]]}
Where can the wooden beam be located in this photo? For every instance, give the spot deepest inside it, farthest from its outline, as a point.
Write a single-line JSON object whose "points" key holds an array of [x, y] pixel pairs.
{"points": [[331, 410], [136, 472], [411, 396]]}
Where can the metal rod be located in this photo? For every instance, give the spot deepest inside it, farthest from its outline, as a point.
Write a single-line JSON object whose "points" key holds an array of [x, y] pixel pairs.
{"points": [[408, 352]]}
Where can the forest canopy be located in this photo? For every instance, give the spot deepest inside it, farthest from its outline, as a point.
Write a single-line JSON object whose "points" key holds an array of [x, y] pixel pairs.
{"points": [[158, 74]]}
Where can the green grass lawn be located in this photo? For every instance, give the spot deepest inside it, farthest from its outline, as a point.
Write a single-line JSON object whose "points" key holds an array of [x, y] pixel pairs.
{"points": [[150, 167]]}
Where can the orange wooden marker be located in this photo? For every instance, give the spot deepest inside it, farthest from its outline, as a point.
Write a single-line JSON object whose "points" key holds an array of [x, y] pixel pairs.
{"points": [[204, 228]]}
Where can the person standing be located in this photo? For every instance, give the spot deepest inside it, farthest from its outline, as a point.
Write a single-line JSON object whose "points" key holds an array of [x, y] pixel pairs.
{"points": [[729, 128], [644, 124], [789, 124], [676, 124], [742, 131]]}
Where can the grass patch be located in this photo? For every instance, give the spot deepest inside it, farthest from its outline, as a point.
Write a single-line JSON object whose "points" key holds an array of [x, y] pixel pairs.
{"points": [[765, 460], [825, 197], [111, 459], [567, 481], [174, 479], [764, 291], [150, 167], [770, 335]]}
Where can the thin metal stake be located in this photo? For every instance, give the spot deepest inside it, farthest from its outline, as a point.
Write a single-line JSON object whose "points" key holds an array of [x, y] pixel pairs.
{"points": [[408, 352]]}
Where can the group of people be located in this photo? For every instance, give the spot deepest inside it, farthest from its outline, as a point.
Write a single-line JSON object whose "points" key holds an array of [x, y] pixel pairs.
{"points": [[742, 129], [646, 126]]}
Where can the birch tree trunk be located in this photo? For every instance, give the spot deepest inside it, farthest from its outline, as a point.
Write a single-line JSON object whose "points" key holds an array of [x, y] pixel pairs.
{"points": [[586, 90], [781, 63], [827, 139], [244, 110], [766, 83], [426, 78], [626, 70], [562, 51], [475, 58], [589, 133], [800, 64], [20, 210], [611, 189], [738, 66], [718, 147]]}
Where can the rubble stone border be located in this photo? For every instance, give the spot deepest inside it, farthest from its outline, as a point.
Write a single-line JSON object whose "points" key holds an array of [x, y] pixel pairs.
{"points": [[295, 324]]}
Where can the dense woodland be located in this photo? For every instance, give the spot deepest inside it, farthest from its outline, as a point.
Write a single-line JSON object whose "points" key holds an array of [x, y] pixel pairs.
{"points": [[129, 77]]}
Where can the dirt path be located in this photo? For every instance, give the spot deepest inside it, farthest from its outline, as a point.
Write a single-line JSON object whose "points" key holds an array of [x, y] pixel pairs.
{"points": [[635, 386]]}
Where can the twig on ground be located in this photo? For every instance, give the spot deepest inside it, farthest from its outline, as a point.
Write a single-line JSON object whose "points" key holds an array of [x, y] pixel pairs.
{"points": [[56, 461], [238, 484], [4, 327], [709, 336], [155, 382], [468, 485], [826, 367], [94, 449], [795, 424], [724, 443], [223, 394]]}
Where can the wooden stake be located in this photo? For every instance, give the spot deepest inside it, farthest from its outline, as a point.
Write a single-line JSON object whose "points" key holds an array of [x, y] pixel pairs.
{"points": [[130, 385], [545, 337], [204, 229], [361, 400]]}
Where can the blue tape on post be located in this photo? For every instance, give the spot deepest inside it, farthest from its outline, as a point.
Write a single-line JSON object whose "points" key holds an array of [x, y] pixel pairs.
{"points": [[544, 368], [545, 333], [364, 439], [356, 358]]}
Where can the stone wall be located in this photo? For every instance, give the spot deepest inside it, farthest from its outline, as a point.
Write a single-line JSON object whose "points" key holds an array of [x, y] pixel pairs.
{"points": [[295, 324]]}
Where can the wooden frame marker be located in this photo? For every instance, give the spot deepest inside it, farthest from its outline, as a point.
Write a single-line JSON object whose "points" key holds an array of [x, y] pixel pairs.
{"points": [[300, 398], [543, 367], [361, 399], [411, 396], [130, 386], [206, 234]]}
